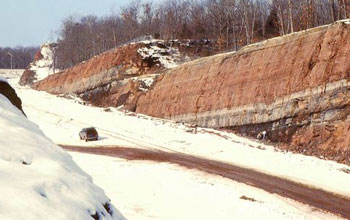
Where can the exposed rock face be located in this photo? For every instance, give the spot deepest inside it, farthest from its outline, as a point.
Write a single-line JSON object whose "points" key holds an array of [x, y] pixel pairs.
{"points": [[7, 91], [41, 67], [297, 88], [113, 78]]}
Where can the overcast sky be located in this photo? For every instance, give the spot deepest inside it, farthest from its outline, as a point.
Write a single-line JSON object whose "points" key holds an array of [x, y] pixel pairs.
{"points": [[33, 22]]}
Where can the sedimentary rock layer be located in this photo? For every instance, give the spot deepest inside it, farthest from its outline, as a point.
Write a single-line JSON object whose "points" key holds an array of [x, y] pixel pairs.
{"points": [[111, 78], [98, 71], [297, 88], [261, 75]]}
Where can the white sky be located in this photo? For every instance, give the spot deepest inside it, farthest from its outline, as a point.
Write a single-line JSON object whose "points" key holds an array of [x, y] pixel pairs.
{"points": [[33, 22]]}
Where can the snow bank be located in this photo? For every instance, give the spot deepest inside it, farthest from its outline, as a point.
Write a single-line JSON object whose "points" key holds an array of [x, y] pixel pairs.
{"points": [[3, 79], [38, 180]]}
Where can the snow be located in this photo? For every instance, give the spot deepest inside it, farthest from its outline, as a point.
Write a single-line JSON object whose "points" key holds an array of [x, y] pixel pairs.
{"points": [[168, 57], [62, 125], [127, 129], [147, 190], [38, 179], [147, 80], [3, 79], [44, 66]]}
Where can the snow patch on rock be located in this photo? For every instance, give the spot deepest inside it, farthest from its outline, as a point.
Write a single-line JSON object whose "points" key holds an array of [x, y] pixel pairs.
{"points": [[44, 66], [147, 81], [168, 57]]}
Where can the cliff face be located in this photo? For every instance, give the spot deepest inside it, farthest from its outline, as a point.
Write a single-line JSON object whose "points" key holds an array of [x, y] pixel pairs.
{"points": [[41, 67], [115, 77], [295, 87]]}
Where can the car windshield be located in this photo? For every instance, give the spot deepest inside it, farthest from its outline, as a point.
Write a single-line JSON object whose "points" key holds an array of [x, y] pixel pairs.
{"points": [[91, 131]]}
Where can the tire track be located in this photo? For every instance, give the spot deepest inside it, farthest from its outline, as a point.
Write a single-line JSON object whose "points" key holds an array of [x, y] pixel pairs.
{"points": [[318, 198]]}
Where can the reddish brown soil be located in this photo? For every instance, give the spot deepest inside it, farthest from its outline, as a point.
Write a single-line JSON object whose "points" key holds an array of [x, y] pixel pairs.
{"points": [[317, 198]]}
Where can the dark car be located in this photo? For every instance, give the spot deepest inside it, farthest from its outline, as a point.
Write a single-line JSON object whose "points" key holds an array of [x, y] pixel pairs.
{"points": [[88, 134]]}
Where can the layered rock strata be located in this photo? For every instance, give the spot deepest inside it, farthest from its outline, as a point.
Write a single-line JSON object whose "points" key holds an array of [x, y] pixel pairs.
{"points": [[295, 88], [113, 78], [292, 87]]}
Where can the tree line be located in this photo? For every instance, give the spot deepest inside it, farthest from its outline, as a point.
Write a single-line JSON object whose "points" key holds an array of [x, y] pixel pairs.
{"points": [[231, 24], [16, 58]]}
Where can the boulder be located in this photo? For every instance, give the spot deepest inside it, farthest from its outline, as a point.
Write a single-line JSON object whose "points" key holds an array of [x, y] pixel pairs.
{"points": [[7, 91]]}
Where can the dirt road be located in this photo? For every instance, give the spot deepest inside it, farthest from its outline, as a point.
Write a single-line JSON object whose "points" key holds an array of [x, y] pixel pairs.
{"points": [[314, 197]]}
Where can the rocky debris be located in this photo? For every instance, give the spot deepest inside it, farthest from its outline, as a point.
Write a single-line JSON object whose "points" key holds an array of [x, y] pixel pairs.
{"points": [[287, 86], [119, 93], [194, 49], [158, 53], [41, 67], [7, 91], [28, 77]]}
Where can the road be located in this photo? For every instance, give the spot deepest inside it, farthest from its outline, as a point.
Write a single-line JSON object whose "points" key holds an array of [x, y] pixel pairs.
{"points": [[317, 198]]}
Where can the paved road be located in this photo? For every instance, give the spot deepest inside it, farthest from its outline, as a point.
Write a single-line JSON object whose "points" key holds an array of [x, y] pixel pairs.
{"points": [[314, 197]]}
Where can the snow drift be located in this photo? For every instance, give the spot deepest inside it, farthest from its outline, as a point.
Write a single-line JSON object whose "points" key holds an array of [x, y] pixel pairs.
{"points": [[39, 180]]}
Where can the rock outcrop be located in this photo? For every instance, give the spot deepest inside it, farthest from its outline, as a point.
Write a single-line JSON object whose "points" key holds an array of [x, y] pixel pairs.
{"points": [[116, 77], [7, 91], [297, 88], [41, 67]]}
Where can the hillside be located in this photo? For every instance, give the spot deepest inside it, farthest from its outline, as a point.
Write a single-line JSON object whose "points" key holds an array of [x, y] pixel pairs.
{"points": [[294, 88], [38, 179], [116, 77]]}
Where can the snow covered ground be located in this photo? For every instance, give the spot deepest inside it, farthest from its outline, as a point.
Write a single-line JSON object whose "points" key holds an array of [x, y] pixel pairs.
{"points": [[38, 180], [61, 119], [162, 191]]}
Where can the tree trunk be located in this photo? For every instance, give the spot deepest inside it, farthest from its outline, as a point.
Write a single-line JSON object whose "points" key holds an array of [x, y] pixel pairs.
{"points": [[290, 16], [333, 12], [280, 15]]}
